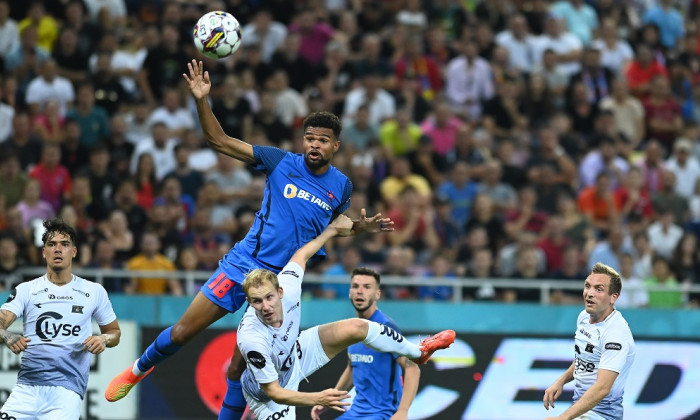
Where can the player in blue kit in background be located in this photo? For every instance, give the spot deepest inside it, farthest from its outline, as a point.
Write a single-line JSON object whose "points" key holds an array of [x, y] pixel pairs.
{"points": [[303, 193], [375, 375]]}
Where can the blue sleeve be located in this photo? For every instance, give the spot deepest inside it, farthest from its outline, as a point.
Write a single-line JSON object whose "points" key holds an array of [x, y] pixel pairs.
{"points": [[267, 158], [345, 200]]}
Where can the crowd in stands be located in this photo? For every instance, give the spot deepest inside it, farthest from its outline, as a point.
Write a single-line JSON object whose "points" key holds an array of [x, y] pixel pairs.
{"points": [[522, 139]]}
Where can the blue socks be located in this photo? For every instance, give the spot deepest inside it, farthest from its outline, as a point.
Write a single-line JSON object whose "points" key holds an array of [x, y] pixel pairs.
{"points": [[234, 402], [158, 351]]}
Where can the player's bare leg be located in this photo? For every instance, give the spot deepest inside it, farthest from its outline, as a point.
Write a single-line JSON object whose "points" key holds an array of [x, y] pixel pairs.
{"points": [[234, 403], [201, 313], [337, 336]]}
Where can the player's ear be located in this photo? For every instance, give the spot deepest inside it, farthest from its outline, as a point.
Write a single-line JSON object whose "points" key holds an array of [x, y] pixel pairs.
{"points": [[281, 292], [336, 145]]}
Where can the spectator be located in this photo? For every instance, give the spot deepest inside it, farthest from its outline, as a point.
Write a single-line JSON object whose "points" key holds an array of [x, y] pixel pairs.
{"points": [[397, 262], [615, 53], [684, 261], [399, 136], [127, 60], [415, 64], [233, 180], [149, 258], [526, 216], [93, 120], [504, 114], [179, 207], [667, 198], [116, 230], [232, 110], [264, 31], [350, 258], [49, 124], [289, 104], [595, 78], [664, 234], [336, 76], [190, 180], [119, 148], [9, 262], [13, 180], [603, 160], [25, 58], [484, 216], [54, 178], [627, 111], [635, 294], [301, 72], [598, 204], [577, 226], [359, 133], [461, 191], [371, 60], [46, 26], [557, 79], [553, 242], [88, 32], [539, 101], [72, 62], [443, 128], [414, 220], [446, 228], [160, 147], [9, 31], [400, 178], [145, 181], [380, 103], [609, 250], [565, 45], [49, 86], [642, 70], [110, 94], [662, 112], [163, 66], [440, 267], [206, 242], [503, 195], [103, 183], [551, 170], [105, 261], [632, 198], [481, 268], [520, 44], [664, 291], [172, 114], [314, 35], [527, 268], [685, 167], [270, 123], [32, 207], [571, 269], [668, 20], [15, 229], [80, 201], [653, 166], [74, 155]]}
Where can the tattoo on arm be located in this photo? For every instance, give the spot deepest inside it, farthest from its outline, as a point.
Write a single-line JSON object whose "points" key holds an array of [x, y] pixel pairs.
{"points": [[6, 319]]}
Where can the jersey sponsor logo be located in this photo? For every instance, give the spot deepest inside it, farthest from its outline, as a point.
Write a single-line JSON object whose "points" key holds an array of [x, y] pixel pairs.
{"points": [[12, 296], [584, 366], [391, 334], [293, 174], [256, 359], [54, 297], [293, 307], [278, 415], [361, 358], [292, 191], [584, 332], [286, 333], [38, 305], [86, 294], [47, 330], [290, 272], [77, 309], [589, 347], [40, 291], [613, 346], [5, 416]]}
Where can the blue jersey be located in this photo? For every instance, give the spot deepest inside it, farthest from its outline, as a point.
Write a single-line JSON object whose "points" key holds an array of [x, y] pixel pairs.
{"points": [[296, 208], [377, 379]]}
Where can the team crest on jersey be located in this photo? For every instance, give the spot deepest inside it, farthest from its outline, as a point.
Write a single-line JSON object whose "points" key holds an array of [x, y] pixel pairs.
{"points": [[330, 195], [589, 348], [292, 191], [77, 309]]}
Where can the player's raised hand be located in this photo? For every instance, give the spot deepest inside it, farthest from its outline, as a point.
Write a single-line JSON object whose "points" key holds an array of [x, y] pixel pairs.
{"points": [[316, 412], [95, 344], [551, 394], [374, 224], [17, 343], [198, 79], [343, 225], [333, 398]]}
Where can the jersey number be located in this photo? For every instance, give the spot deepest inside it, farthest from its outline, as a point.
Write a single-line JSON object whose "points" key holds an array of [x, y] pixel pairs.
{"points": [[221, 285]]}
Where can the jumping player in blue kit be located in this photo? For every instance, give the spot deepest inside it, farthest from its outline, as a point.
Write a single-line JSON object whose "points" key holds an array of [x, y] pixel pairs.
{"points": [[303, 193]]}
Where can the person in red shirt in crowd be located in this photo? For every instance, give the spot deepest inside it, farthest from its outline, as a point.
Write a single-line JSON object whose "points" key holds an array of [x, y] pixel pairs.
{"points": [[413, 218], [598, 204], [642, 70], [54, 178], [663, 113], [554, 242], [633, 198], [526, 216], [415, 65]]}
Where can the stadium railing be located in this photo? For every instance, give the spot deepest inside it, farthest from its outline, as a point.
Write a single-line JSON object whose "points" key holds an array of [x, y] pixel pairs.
{"points": [[192, 278]]}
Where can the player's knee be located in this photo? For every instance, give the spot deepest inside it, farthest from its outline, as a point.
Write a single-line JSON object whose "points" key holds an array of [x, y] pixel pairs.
{"points": [[180, 334], [357, 328]]}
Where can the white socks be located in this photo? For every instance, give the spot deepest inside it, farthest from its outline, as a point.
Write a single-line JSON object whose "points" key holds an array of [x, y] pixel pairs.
{"points": [[387, 340]]}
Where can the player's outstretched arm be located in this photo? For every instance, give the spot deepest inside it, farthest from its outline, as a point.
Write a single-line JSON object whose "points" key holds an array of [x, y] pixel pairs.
{"points": [[200, 85], [15, 342], [554, 391], [592, 396], [411, 378], [331, 397], [344, 384], [109, 337], [340, 226], [373, 224]]}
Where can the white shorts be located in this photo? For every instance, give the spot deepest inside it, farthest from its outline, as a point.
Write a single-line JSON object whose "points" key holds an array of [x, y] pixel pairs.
{"points": [[590, 415], [36, 402], [310, 358]]}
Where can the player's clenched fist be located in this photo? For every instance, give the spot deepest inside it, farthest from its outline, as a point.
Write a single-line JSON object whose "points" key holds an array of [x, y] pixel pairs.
{"points": [[95, 344], [333, 398], [551, 394], [15, 342]]}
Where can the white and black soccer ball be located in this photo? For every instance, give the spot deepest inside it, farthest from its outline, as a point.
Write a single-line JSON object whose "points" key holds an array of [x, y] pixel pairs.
{"points": [[217, 34]]}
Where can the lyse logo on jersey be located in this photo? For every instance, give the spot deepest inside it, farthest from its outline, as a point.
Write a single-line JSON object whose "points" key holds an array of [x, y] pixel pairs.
{"points": [[47, 330], [583, 366], [292, 191]]}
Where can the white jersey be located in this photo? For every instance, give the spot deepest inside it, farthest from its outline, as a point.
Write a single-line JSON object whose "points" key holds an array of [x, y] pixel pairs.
{"points": [[267, 350], [57, 320], [604, 345]]}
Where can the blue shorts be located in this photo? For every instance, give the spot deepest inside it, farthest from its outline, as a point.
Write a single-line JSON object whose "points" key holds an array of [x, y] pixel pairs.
{"points": [[224, 287]]}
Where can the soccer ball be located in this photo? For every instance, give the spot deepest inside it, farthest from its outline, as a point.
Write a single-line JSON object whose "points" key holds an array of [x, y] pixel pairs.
{"points": [[217, 34]]}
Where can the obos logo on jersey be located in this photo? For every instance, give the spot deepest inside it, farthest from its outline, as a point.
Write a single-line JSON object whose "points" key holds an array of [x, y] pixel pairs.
{"points": [[47, 329], [292, 191]]}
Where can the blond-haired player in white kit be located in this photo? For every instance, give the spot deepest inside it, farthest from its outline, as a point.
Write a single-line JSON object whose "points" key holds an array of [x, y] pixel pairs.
{"points": [[57, 340], [278, 357], [604, 352]]}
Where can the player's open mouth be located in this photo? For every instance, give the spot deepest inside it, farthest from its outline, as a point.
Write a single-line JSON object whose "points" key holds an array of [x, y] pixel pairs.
{"points": [[359, 301], [589, 302], [314, 155]]}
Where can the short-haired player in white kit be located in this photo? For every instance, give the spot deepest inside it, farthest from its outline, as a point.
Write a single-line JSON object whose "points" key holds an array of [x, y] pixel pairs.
{"points": [[57, 309], [278, 356], [604, 352]]}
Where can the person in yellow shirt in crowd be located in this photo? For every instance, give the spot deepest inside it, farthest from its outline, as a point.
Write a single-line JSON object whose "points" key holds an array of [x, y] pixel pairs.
{"points": [[150, 258], [46, 26], [400, 178], [400, 135]]}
